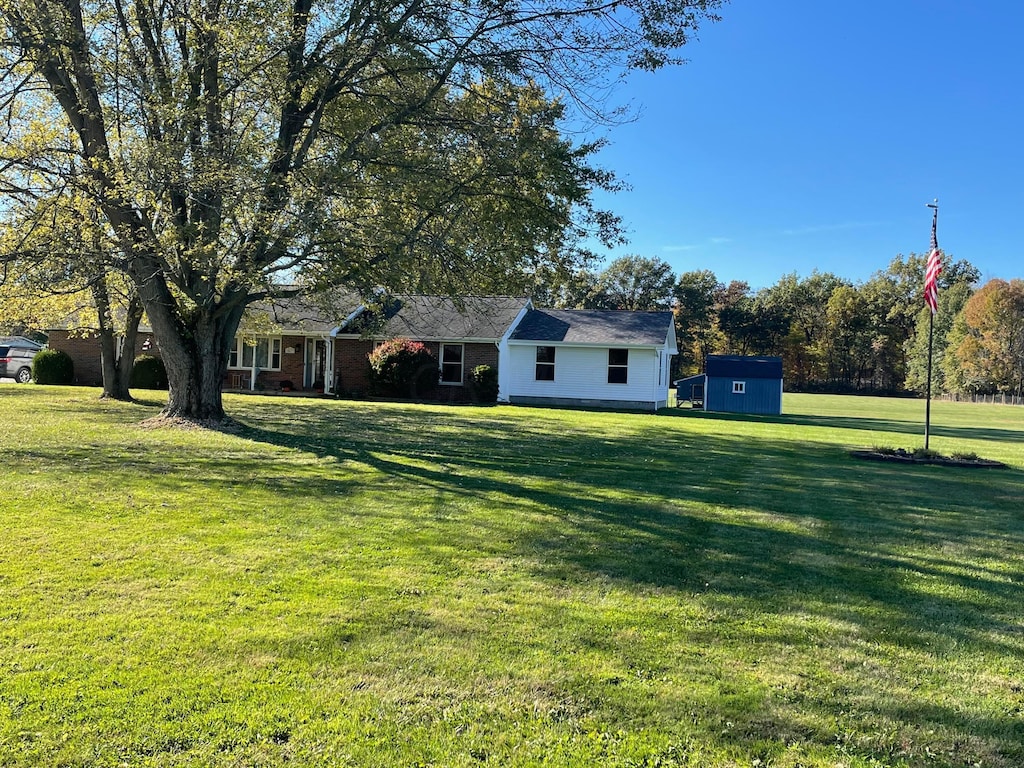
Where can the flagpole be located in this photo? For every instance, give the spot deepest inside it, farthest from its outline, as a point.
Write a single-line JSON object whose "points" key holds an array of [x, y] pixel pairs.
{"points": [[931, 322], [928, 394]]}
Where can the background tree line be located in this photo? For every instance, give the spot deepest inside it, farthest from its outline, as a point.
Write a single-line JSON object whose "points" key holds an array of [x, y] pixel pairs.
{"points": [[832, 334]]}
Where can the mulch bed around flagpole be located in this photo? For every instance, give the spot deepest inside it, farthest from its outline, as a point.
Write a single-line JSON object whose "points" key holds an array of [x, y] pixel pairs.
{"points": [[902, 456]]}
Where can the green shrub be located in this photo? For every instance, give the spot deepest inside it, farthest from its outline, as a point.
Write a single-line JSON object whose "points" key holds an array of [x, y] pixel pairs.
{"points": [[148, 372], [485, 383], [53, 366], [398, 368], [965, 456]]}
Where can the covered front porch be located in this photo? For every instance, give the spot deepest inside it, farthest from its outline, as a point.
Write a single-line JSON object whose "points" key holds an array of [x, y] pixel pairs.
{"points": [[282, 364]]}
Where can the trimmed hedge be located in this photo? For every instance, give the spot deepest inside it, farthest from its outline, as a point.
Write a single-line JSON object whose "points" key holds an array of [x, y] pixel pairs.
{"points": [[53, 366], [148, 372]]}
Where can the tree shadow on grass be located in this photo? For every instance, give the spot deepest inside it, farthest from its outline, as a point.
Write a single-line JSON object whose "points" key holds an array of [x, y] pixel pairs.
{"points": [[769, 521], [743, 526], [760, 519], [753, 525], [855, 423]]}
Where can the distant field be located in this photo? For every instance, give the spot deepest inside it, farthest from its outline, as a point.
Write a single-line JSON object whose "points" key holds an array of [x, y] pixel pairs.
{"points": [[375, 584]]}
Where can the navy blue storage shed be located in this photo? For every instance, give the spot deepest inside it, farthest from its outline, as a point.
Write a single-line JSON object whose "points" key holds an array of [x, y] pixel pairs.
{"points": [[738, 384]]}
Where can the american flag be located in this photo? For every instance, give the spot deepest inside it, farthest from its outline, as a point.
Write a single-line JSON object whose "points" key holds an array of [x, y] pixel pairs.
{"points": [[932, 271]]}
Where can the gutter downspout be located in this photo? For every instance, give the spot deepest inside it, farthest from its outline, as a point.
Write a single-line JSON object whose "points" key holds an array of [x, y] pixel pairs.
{"points": [[329, 341], [329, 361]]}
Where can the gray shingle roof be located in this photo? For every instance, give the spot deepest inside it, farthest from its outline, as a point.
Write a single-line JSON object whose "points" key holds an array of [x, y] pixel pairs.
{"points": [[295, 314], [591, 326], [443, 318], [306, 315]]}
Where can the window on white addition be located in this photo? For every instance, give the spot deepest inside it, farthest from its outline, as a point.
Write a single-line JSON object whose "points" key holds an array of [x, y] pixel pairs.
{"points": [[618, 366], [545, 370]]}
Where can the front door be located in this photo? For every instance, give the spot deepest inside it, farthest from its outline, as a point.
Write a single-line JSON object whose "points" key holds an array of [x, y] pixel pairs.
{"points": [[316, 364]]}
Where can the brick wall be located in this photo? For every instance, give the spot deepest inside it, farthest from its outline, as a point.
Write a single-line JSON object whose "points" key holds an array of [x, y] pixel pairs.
{"points": [[351, 367], [472, 356], [350, 364], [84, 352], [291, 363]]}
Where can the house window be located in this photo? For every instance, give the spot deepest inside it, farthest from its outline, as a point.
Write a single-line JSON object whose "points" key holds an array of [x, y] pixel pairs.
{"points": [[739, 387], [451, 363], [545, 363], [265, 354], [618, 365]]}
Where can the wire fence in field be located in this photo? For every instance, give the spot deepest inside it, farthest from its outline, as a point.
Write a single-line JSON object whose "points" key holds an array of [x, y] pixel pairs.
{"points": [[990, 399]]}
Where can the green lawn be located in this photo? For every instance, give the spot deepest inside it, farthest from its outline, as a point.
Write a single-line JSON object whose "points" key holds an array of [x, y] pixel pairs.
{"points": [[375, 584]]}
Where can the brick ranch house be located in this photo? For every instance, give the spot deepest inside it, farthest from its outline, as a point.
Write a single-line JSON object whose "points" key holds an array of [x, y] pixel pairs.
{"points": [[310, 350], [611, 359]]}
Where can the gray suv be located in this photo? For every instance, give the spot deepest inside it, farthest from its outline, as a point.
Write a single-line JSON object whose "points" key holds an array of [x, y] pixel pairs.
{"points": [[16, 363]]}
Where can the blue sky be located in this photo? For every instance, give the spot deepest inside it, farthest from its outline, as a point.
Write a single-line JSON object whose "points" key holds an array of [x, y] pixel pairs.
{"points": [[811, 134]]}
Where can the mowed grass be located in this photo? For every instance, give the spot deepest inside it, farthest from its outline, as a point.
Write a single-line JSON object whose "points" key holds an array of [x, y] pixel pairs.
{"points": [[378, 584]]}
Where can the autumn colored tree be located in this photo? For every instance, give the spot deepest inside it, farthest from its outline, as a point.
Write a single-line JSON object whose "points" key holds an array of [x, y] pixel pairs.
{"points": [[990, 346]]}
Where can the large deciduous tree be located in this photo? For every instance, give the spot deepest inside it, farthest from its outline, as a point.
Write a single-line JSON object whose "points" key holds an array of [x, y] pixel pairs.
{"points": [[229, 144], [694, 295], [946, 332], [988, 345], [637, 283], [563, 288], [806, 349], [894, 299]]}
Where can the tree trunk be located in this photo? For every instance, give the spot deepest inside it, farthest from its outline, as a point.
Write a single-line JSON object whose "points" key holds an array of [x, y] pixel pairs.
{"points": [[126, 360], [194, 347], [196, 361], [116, 364], [108, 364]]}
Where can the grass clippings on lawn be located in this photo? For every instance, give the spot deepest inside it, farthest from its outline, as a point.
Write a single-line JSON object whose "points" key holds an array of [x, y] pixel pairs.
{"points": [[381, 584]]}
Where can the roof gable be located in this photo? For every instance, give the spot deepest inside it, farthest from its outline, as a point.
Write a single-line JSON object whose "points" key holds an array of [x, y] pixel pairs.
{"points": [[591, 326]]}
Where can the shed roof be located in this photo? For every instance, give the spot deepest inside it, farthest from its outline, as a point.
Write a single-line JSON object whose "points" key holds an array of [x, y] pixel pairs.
{"points": [[738, 366], [591, 326], [689, 380]]}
